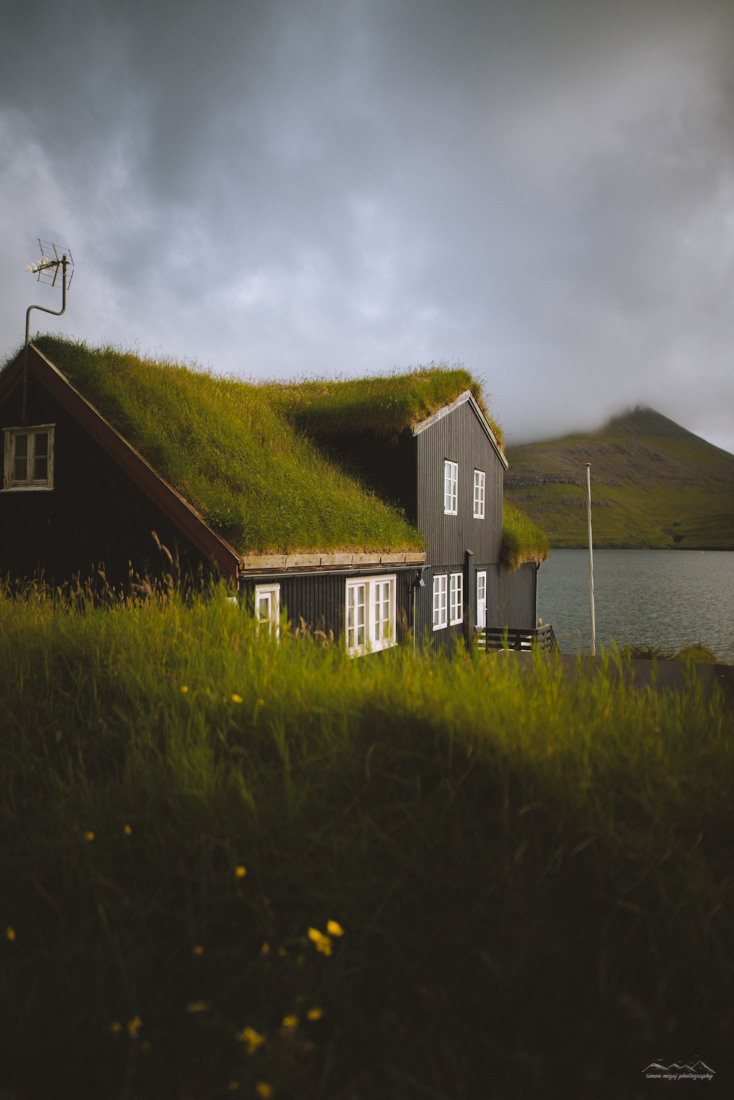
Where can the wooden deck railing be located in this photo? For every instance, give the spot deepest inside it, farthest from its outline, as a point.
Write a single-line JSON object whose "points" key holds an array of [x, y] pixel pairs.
{"points": [[518, 640]]}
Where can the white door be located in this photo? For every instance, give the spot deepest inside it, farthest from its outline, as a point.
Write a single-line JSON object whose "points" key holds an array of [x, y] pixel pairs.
{"points": [[481, 601]]}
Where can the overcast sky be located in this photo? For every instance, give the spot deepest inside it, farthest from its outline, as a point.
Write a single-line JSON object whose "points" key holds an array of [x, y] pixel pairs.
{"points": [[540, 189]]}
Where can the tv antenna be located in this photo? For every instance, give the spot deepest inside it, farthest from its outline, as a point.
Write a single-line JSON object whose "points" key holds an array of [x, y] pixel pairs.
{"points": [[52, 267]]}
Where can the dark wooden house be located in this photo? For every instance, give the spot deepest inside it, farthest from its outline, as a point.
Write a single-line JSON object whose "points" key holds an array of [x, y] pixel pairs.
{"points": [[79, 494], [447, 473]]}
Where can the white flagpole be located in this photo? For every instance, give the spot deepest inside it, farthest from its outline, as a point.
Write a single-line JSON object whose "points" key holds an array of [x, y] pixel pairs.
{"points": [[591, 565]]}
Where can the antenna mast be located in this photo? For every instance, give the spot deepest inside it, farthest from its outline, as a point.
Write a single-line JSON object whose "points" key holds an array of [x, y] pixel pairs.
{"points": [[52, 266]]}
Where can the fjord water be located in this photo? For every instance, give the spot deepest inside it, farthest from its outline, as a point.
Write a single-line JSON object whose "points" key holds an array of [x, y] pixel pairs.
{"points": [[662, 598]]}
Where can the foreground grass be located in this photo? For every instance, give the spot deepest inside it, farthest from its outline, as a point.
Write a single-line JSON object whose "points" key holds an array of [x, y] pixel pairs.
{"points": [[533, 876]]}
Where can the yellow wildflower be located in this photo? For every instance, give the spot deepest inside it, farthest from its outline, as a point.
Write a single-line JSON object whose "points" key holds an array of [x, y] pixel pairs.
{"points": [[134, 1026], [251, 1037], [265, 949], [315, 1013], [233, 1085], [334, 929], [282, 952], [240, 871], [127, 831], [264, 1090], [300, 960], [197, 1006], [198, 950], [236, 698], [10, 933], [89, 836], [115, 1027], [184, 689], [290, 1021], [322, 942], [260, 703]]}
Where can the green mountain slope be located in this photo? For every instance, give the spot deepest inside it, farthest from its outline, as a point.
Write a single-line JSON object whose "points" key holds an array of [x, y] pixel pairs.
{"points": [[653, 484]]}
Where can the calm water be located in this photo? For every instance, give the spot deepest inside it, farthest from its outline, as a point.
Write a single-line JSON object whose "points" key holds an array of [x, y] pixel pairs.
{"points": [[664, 598]]}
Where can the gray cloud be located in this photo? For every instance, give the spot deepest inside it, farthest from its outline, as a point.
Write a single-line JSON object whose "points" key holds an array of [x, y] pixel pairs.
{"points": [[544, 190]]}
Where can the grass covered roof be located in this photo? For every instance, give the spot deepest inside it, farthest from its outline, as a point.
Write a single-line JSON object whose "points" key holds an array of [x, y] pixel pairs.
{"points": [[240, 452], [384, 404]]}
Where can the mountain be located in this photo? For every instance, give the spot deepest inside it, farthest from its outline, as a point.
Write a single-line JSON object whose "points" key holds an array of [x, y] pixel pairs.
{"points": [[653, 484]]}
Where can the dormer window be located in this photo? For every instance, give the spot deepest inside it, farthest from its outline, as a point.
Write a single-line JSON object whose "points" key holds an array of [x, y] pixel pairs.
{"points": [[29, 458]]}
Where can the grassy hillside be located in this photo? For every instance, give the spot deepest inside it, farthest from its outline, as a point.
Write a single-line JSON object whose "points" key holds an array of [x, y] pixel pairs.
{"points": [[535, 891], [654, 484]]}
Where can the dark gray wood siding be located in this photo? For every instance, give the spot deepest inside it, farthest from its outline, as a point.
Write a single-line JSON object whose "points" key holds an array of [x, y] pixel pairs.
{"points": [[459, 437], [318, 601], [511, 596], [510, 600]]}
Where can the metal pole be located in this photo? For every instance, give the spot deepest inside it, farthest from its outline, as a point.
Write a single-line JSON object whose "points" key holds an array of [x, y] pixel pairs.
{"points": [[591, 565], [56, 313]]}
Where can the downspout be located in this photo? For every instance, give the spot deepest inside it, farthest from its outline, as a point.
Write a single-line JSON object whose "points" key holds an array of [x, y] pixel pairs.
{"points": [[470, 599], [417, 583]]}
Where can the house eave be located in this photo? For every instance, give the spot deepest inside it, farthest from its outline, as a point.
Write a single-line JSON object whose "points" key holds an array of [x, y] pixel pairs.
{"points": [[463, 399], [262, 564]]}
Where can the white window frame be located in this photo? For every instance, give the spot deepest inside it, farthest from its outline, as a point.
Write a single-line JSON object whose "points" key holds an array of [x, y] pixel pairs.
{"points": [[456, 598], [271, 593], [373, 629], [440, 601], [450, 487], [481, 600], [480, 489], [10, 483]]}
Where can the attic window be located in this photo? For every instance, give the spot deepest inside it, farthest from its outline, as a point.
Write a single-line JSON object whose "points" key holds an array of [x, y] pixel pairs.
{"points": [[29, 458], [450, 487]]}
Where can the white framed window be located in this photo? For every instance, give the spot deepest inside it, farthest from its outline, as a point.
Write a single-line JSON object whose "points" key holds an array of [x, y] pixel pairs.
{"points": [[29, 458], [450, 487], [456, 598], [267, 607], [479, 492], [481, 600], [440, 589], [384, 611], [370, 618]]}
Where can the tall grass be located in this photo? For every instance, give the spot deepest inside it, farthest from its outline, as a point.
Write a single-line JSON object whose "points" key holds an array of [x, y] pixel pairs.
{"points": [[533, 875]]}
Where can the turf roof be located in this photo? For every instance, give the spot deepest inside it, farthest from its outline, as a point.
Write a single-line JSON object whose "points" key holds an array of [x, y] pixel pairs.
{"points": [[384, 404], [240, 452]]}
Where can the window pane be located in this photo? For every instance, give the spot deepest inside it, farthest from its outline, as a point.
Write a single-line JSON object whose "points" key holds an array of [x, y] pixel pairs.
{"points": [[457, 597], [40, 456], [263, 609], [382, 611], [451, 473], [439, 601], [21, 458], [361, 612], [479, 483]]}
